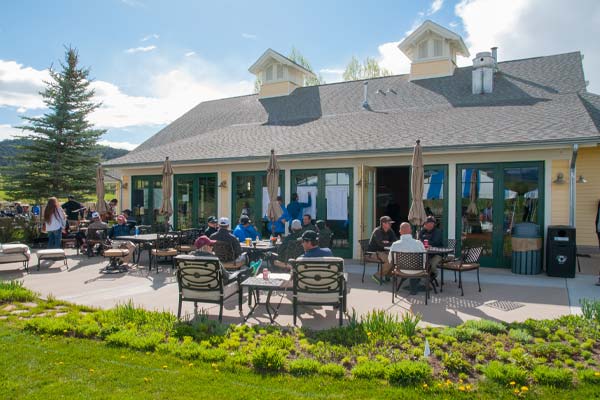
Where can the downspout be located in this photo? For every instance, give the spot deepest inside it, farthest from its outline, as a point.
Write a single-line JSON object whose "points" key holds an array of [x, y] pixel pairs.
{"points": [[120, 189], [572, 186]]}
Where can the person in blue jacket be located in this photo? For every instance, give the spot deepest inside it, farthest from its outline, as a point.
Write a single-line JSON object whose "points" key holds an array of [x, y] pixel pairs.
{"points": [[277, 228], [295, 207], [245, 229]]}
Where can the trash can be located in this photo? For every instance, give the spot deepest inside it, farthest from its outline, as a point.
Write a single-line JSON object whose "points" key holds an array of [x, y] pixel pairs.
{"points": [[526, 249], [561, 251]]}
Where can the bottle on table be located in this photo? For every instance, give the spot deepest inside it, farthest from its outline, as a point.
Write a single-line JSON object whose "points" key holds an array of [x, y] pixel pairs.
{"points": [[137, 230]]}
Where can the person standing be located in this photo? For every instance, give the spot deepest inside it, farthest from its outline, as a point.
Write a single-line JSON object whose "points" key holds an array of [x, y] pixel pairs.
{"points": [[382, 237], [72, 209], [55, 221], [295, 207], [277, 228]]}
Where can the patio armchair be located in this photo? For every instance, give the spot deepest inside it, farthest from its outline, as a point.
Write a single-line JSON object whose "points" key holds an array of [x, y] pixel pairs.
{"points": [[187, 237], [163, 247], [409, 266], [224, 251], [368, 257], [200, 279], [468, 262], [319, 281], [96, 240]]}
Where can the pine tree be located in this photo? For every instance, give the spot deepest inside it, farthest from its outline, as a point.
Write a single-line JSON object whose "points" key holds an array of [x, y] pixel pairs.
{"points": [[61, 156]]}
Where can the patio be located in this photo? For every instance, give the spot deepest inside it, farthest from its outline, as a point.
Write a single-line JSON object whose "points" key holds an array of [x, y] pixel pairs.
{"points": [[504, 297]]}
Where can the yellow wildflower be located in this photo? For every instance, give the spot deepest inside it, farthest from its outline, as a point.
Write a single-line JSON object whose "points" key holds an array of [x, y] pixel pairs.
{"points": [[461, 388], [214, 365], [190, 364], [165, 366], [91, 369], [122, 357], [60, 363], [524, 388], [512, 383], [425, 386], [516, 391], [596, 373], [147, 380]]}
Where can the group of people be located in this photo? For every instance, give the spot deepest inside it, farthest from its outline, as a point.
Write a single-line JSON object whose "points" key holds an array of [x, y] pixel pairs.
{"points": [[384, 242]]}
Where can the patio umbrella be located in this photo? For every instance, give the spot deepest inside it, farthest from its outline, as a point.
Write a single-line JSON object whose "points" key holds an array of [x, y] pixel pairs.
{"points": [[273, 209], [166, 208], [472, 208], [416, 215], [100, 204]]}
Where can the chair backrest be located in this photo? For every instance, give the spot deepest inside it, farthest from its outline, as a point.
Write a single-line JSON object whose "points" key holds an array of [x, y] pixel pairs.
{"points": [[199, 277], [364, 245], [452, 244], [97, 235], [295, 250], [165, 241], [325, 239], [189, 236], [319, 275], [409, 261], [472, 255], [224, 251]]}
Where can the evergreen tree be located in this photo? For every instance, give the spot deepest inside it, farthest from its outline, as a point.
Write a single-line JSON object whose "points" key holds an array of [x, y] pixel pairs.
{"points": [[61, 155]]}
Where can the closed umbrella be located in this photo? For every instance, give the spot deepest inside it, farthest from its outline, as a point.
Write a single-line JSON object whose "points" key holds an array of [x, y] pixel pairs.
{"points": [[101, 204], [472, 208], [166, 208], [416, 215], [274, 210]]}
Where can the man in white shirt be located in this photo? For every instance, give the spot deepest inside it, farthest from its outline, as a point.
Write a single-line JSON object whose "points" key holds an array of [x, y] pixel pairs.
{"points": [[407, 244]]}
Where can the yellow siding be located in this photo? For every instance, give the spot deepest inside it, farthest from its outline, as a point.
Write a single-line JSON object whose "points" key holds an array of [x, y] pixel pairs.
{"points": [[560, 194], [276, 89], [430, 69], [588, 195]]}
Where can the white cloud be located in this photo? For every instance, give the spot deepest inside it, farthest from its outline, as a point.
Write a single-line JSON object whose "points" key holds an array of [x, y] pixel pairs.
{"points": [[249, 36], [190, 53], [530, 28], [392, 59], [140, 49], [9, 132], [435, 7], [331, 75], [20, 86], [148, 37], [118, 145]]}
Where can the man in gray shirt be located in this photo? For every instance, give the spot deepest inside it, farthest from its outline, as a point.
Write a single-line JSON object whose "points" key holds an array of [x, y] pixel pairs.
{"points": [[407, 244]]}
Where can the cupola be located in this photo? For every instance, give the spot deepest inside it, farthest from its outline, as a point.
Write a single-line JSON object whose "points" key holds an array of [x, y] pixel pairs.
{"points": [[432, 50], [279, 75]]}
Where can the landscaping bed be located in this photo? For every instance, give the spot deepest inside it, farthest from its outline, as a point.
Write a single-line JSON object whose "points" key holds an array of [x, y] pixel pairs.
{"points": [[523, 359]]}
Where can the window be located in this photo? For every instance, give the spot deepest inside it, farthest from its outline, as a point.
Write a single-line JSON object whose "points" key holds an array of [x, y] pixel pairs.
{"points": [[437, 48], [269, 73], [423, 53], [279, 71]]}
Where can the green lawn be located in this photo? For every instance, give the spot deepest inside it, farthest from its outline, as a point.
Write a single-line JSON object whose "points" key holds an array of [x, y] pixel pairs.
{"points": [[49, 367]]}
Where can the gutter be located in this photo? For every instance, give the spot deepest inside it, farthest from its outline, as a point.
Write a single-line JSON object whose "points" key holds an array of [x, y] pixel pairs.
{"points": [[572, 185], [353, 153]]}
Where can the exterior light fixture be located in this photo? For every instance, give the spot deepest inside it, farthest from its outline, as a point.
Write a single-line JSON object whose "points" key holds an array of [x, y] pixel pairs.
{"points": [[581, 179], [223, 184], [560, 178]]}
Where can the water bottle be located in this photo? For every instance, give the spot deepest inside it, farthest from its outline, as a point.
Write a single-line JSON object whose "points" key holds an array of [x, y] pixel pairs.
{"points": [[137, 230]]}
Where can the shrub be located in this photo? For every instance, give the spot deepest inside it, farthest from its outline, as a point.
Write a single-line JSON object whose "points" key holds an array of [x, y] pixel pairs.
{"points": [[590, 376], [408, 373], [520, 335], [504, 373], [462, 334], [268, 359], [454, 362], [590, 309], [484, 325], [557, 377], [14, 291], [408, 323], [369, 370], [304, 366], [381, 323], [331, 369], [51, 325], [134, 340]]}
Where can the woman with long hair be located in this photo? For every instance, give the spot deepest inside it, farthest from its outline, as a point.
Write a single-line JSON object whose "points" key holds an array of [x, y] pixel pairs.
{"points": [[55, 220]]}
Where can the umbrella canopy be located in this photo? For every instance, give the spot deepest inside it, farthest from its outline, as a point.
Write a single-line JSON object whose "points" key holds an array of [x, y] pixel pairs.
{"points": [[416, 215], [274, 209], [100, 204], [472, 208], [167, 173]]}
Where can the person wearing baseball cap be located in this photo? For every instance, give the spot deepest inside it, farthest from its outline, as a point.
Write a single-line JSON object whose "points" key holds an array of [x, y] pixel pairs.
{"points": [[213, 225], [310, 243], [290, 247], [204, 247], [435, 238], [382, 237], [225, 235], [245, 230]]}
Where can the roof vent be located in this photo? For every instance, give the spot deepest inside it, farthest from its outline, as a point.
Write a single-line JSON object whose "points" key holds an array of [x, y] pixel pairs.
{"points": [[365, 103], [380, 91], [484, 65], [391, 91]]}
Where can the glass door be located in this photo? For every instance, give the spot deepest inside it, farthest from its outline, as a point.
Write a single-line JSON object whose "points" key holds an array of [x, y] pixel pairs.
{"points": [[491, 199], [367, 201], [146, 199], [332, 195], [195, 199]]}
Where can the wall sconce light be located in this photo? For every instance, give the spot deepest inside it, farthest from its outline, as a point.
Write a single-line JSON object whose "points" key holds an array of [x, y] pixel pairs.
{"points": [[560, 178], [581, 179], [359, 183], [223, 184], [125, 185]]}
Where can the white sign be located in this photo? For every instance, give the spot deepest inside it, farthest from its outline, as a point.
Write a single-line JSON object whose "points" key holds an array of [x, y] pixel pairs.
{"points": [[337, 202]]}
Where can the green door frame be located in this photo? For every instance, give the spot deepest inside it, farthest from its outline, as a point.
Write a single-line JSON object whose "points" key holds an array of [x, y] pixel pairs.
{"points": [[151, 180], [444, 167], [322, 203], [195, 195], [498, 259]]}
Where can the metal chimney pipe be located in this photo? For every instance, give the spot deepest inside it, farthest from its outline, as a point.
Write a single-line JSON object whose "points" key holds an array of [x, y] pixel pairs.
{"points": [[495, 54], [365, 103], [572, 185]]}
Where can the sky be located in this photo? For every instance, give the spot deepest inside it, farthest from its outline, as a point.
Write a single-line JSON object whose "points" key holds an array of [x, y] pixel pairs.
{"points": [[151, 61]]}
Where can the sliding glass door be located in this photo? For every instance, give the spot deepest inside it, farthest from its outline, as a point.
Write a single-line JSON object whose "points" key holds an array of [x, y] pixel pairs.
{"points": [[195, 199]]}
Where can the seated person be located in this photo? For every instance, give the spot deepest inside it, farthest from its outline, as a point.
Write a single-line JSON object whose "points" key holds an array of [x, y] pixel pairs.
{"points": [[245, 230], [325, 234], [204, 247], [93, 229], [236, 258], [120, 229], [213, 226], [307, 224], [435, 238], [289, 248], [382, 237], [131, 222], [406, 244], [310, 243]]}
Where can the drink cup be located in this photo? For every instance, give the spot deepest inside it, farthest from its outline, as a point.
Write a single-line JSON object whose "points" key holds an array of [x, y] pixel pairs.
{"points": [[426, 243], [248, 241]]}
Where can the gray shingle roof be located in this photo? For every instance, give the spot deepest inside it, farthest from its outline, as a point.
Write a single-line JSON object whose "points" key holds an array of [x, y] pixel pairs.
{"points": [[535, 100]]}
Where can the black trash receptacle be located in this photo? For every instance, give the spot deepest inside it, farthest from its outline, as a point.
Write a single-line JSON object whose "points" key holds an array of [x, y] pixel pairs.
{"points": [[526, 249], [561, 251]]}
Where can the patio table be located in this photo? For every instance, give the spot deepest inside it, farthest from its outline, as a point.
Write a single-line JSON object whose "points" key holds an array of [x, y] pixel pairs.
{"points": [[139, 240], [258, 249], [256, 283]]}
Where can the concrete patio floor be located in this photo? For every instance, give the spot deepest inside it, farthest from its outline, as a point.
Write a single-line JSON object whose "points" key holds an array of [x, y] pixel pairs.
{"points": [[504, 296]]}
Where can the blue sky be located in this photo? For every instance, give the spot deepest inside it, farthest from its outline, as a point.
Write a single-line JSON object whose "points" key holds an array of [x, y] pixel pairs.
{"points": [[154, 60]]}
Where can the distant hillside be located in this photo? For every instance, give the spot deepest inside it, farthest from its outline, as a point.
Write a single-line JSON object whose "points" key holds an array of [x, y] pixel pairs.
{"points": [[8, 149]]}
